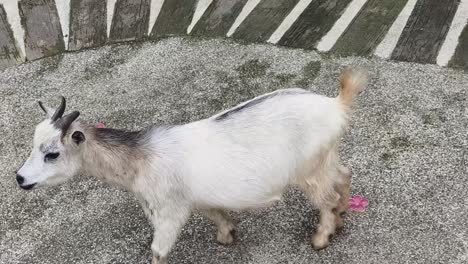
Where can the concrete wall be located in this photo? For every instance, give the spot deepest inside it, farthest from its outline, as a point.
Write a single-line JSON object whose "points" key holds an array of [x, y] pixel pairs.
{"points": [[423, 31]]}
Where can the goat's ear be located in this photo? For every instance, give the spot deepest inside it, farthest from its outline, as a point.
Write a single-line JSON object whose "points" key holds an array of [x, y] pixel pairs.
{"points": [[78, 137], [47, 110]]}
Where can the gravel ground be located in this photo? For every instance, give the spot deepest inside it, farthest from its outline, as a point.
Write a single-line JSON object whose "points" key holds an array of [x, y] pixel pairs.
{"points": [[407, 147]]}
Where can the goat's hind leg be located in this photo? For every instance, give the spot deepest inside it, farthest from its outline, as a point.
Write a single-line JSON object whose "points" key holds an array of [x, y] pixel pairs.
{"points": [[224, 224], [343, 189], [322, 193], [328, 219]]}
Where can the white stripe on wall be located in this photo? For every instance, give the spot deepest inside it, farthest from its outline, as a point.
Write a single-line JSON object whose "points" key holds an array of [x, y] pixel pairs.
{"points": [[459, 22], [289, 21], [155, 9], [12, 12], [327, 42], [388, 44], [202, 5], [110, 14], [63, 9], [249, 6]]}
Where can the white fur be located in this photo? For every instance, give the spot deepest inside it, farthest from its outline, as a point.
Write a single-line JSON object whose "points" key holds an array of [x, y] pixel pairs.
{"points": [[248, 160]]}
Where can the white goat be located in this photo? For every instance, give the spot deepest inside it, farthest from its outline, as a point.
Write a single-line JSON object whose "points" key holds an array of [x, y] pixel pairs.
{"points": [[241, 158]]}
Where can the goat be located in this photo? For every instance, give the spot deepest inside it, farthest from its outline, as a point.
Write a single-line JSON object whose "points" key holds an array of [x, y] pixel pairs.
{"points": [[242, 158]]}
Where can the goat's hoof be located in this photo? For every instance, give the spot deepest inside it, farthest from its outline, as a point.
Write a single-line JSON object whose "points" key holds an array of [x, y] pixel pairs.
{"points": [[339, 222], [226, 238], [341, 209], [320, 241], [158, 260]]}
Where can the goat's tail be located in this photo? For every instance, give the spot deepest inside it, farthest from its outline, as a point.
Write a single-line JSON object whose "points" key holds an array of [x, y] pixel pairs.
{"points": [[353, 81]]}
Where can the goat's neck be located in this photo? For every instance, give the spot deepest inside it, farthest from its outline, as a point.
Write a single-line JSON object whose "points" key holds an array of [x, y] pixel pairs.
{"points": [[114, 156]]}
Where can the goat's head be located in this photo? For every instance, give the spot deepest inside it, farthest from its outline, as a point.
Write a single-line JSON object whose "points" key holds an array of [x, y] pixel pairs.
{"points": [[57, 146]]}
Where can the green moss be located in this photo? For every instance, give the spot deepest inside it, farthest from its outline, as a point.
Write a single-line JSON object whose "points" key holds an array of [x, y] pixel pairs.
{"points": [[284, 78], [119, 54], [400, 142], [253, 69], [49, 64], [309, 73], [386, 156], [234, 90], [433, 117]]}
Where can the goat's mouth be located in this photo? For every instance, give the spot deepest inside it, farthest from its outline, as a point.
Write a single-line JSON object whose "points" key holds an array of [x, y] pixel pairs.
{"points": [[28, 186]]}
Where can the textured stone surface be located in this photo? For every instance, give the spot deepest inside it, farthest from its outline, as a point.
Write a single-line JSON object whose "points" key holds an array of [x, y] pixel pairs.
{"points": [[425, 31], [460, 58], [43, 35], [316, 20], [9, 54], [174, 18], [407, 147], [218, 18], [264, 20], [87, 24], [369, 27], [130, 20]]}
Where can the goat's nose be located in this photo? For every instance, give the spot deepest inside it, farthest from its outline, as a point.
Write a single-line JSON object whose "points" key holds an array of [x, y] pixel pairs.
{"points": [[19, 179]]}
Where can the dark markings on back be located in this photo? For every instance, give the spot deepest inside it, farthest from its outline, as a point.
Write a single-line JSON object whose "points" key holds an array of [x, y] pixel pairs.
{"points": [[258, 101], [116, 137]]}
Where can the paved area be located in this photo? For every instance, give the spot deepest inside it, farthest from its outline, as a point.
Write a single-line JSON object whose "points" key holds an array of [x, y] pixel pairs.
{"points": [[407, 147]]}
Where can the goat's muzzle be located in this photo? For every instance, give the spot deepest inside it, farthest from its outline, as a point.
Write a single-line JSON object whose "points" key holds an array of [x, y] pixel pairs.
{"points": [[20, 181]]}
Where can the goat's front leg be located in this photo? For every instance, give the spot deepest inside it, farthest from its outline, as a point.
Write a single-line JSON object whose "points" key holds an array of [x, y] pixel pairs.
{"points": [[326, 199], [145, 206], [167, 223]]}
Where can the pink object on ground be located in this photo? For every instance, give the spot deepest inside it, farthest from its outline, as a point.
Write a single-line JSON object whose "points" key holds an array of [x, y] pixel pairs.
{"points": [[358, 203], [100, 125]]}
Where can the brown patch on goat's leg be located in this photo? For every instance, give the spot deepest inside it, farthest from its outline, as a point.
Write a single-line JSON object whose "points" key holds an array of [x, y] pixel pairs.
{"points": [[339, 222], [320, 186], [343, 189], [326, 199], [327, 223], [224, 224], [158, 260]]}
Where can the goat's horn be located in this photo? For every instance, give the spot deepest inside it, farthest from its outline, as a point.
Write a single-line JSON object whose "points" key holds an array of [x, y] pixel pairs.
{"points": [[65, 122], [60, 110], [42, 106]]}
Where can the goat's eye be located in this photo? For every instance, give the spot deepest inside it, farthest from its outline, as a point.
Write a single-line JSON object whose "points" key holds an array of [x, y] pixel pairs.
{"points": [[51, 156]]}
